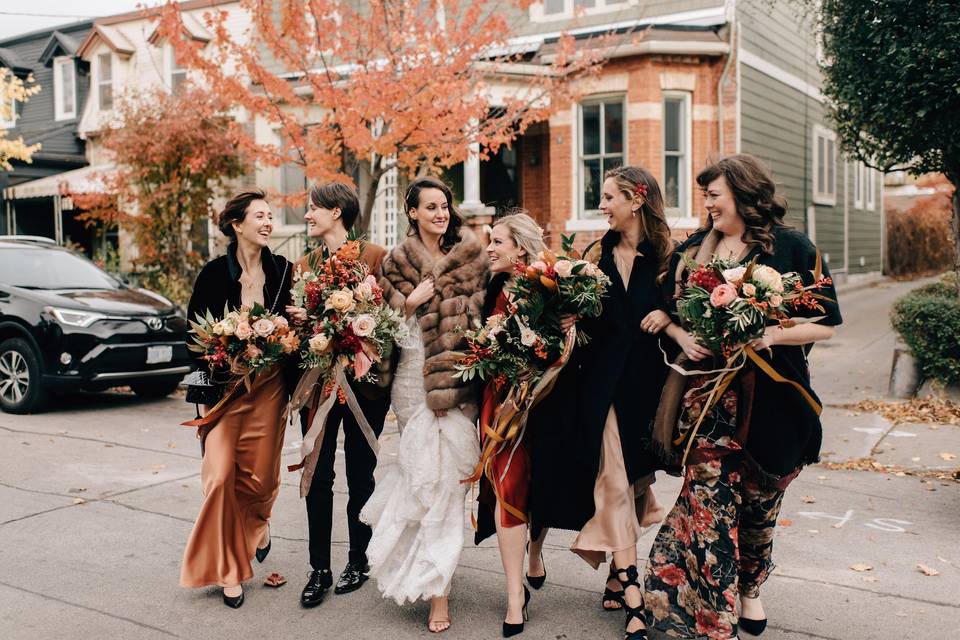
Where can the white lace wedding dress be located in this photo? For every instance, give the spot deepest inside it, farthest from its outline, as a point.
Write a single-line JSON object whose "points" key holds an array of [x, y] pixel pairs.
{"points": [[417, 510]]}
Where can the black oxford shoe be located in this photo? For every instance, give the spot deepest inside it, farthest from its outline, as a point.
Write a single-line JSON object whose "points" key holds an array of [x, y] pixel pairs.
{"points": [[316, 588], [352, 578]]}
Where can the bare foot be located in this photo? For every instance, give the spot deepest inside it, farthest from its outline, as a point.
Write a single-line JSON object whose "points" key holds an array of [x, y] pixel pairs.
{"points": [[610, 604], [752, 608], [233, 592], [439, 618]]}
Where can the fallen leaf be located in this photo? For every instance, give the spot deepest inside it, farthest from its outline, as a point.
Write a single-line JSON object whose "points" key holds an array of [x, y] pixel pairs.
{"points": [[900, 474], [821, 477], [159, 466], [948, 456], [171, 445], [927, 571], [915, 459], [808, 499], [109, 446], [861, 567], [785, 522], [78, 501], [812, 531]]}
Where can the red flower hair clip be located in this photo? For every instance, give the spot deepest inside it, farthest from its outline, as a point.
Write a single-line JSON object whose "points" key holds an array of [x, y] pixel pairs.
{"points": [[640, 190]]}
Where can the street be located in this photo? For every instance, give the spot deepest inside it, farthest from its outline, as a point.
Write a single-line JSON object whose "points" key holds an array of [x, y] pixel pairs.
{"points": [[98, 495]]}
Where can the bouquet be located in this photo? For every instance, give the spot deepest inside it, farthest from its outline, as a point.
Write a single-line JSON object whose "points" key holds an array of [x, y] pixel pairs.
{"points": [[523, 351], [726, 306]]}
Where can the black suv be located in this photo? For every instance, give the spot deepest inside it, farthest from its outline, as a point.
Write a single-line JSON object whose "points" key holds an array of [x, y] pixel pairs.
{"points": [[66, 324]]}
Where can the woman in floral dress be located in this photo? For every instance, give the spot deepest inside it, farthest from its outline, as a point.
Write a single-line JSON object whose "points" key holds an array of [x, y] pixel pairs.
{"points": [[715, 545]]}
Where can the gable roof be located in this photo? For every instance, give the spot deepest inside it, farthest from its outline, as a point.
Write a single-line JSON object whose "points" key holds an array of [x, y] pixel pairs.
{"points": [[13, 62], [193, 27], [59, 44], [111, 36]]}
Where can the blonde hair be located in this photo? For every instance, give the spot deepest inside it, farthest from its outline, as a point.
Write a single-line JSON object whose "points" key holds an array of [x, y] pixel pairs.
{"points": [[524, 231]]}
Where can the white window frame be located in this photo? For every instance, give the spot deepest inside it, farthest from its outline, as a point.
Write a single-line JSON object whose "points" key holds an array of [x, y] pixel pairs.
{"points": [[584, 213], [11, 122], [99, 82], [857, 185], [171, 68], [684, 208], [871, 188], [60, 88], [570, 11], [824, 194]]}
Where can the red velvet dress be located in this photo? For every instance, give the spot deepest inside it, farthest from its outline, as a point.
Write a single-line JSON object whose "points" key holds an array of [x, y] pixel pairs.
{"points": [[509, 489]]}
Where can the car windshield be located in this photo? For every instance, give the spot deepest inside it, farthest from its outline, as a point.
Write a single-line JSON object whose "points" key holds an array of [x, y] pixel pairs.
{"points": [[35, 268]]}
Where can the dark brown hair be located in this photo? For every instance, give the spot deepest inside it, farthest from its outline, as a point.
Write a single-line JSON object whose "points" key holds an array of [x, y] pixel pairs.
{"points": [[332, 195], [634, 182], [755, 194], [412, 201], [236, 210]]}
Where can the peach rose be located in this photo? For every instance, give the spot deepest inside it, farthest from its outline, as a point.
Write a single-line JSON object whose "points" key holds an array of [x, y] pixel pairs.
{"points": [[776, 300], [280, 323], [341, 300], [749, 290], [723, 295], [363, 325], [243, 331], [319, 343], [263, 327]]}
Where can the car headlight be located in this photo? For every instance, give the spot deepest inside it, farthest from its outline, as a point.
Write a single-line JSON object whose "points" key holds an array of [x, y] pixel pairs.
{"points": [[73, 317]]}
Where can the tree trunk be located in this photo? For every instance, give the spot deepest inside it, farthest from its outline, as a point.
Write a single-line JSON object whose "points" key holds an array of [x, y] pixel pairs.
{"points": [[370, 197]]}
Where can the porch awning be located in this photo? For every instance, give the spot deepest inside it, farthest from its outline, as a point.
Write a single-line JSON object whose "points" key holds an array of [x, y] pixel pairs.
{"points": [[83, 180]]}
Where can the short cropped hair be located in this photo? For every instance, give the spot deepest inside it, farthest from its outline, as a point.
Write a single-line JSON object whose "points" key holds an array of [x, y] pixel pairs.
{"points": [[331, 195]]}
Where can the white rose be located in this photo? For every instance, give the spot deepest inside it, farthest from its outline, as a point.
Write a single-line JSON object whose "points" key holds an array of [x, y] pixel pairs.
{"points": [[495, 324], [564, 268], [217, 329], [319, 343], [592, 270], [363, 325], [263, 327], [768, 277], [228, 325], [734, 275]]}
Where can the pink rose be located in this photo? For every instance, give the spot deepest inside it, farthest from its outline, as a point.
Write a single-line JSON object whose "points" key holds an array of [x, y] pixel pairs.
{"points": [[280, 322], [539, 265], [363, 325], [243, 331], [723, 295], [263, 327]]}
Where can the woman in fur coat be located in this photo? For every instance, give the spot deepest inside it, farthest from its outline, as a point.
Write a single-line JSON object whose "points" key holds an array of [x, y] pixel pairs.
{"points": [[437, 277]]}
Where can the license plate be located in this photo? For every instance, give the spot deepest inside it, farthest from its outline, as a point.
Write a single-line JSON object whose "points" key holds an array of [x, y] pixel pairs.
{"points": [[163, 353]]}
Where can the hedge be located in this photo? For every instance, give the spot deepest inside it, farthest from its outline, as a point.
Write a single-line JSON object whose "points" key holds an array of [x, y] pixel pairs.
{"points": [[928, 319]]}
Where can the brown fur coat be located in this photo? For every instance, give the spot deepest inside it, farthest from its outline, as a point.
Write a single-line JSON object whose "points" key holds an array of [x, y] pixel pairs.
{"points": [[460, 278]]}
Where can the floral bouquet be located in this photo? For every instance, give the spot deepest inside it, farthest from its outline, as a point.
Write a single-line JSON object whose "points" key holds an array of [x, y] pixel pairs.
{"points": [[725, 306], [348, 328], [523, 351]]}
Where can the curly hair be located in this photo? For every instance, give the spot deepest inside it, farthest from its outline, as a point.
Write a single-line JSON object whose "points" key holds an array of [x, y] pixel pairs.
{"points": [[412, 201], [755, 194], [636, 182]]}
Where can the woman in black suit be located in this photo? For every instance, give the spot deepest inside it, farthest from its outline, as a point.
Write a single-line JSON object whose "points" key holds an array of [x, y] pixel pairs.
{"points": [[240, 472], [593, 473]]}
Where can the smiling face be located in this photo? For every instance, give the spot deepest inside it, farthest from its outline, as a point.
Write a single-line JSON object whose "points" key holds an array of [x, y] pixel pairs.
{"points": [[432, 214], [722, 207], [503, 251], [320, 219], [257, 224], [617, 207]]}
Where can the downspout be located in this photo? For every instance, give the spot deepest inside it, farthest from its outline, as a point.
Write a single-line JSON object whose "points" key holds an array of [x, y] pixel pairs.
{"points": [[725, 74]]}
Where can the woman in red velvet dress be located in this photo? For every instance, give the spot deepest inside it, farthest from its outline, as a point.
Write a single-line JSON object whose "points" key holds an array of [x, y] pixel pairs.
{"points": [[504, 486]]}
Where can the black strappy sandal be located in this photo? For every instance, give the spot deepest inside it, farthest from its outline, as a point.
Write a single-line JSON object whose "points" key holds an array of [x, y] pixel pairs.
{"points": [[633, 580], [609, 595]]}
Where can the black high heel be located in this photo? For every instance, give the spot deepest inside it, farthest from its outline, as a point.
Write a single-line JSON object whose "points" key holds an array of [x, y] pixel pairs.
{"points": [[753, 627], [537, 581], [234, 602], [609, 595], [632, 612], [511, 629], [262, 554]]}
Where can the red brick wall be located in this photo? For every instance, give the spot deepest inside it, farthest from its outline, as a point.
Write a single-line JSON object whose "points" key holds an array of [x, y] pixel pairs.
{"points": [[534, 161]]}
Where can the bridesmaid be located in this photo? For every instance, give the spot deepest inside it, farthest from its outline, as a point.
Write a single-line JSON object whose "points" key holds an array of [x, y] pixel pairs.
{"points": [[436, 278], [716, 543], [240, 472], [594, 473], [515, 238]]}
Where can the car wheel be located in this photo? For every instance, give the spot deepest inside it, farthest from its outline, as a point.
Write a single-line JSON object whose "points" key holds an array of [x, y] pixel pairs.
{"points": [[156, 388], [21, 390]]}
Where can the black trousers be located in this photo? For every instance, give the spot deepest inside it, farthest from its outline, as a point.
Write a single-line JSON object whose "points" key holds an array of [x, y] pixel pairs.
{"points": [[360, 464]]}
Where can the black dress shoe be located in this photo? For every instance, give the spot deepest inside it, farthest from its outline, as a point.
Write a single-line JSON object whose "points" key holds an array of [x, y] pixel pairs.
{"points": [[352, 578], [234, 602], [316, 588], [753, 627], [263, 553]]}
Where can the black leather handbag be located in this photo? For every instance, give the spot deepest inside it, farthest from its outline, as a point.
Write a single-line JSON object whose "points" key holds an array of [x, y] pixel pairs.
{"points": [[202, 389]]}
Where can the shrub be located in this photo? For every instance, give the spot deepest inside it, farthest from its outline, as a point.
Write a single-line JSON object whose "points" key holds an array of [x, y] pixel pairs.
{"points": [[919, 239], [928, 319]]}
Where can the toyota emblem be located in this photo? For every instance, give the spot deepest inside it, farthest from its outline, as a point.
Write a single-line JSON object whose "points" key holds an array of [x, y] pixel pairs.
{"points": [[155, 323]]}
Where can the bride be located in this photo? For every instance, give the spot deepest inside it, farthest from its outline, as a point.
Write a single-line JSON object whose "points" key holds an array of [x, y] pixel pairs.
{"points": [[437, 277]]}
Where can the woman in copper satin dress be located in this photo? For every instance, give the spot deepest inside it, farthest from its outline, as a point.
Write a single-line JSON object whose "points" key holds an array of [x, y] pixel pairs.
{"points": [[240, 473]]}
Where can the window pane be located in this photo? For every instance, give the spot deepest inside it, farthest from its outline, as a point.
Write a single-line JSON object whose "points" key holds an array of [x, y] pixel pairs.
{"points": [[820, 187], [591, 184], [552, 6], [613, 127], [586, 4], [177, 80], [106, 68], [67, 86], [671, 182], [672, 124], [611, 162], [830, 168], [591, 129], [106, 96]]}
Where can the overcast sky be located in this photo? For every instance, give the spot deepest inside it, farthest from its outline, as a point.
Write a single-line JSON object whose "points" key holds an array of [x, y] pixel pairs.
{"points": [[22, 16]]}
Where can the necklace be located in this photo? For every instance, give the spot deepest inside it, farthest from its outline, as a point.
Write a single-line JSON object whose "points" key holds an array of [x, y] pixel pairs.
{"points": [[730, 252]]}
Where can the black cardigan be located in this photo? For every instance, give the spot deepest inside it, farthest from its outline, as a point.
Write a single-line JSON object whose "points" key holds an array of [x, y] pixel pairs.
{"points": [[218, 284], [622, 366], [785, 433]]}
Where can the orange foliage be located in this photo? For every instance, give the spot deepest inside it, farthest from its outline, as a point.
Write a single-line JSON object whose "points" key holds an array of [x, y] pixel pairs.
{"points": [[919, 239]]}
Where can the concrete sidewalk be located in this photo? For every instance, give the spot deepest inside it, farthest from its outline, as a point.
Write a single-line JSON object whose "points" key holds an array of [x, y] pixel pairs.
{"points": [[97, 499]]}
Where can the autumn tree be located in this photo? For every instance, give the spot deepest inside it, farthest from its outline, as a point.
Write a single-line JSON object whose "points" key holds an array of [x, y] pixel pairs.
{"points": [[13, 90], [891, 79], [173, 153], [380, 84]]}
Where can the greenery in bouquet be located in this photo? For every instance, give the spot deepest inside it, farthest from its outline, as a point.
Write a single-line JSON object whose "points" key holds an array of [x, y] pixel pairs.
{"points": [[347, 319], [725, 304], [241, 343]]}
